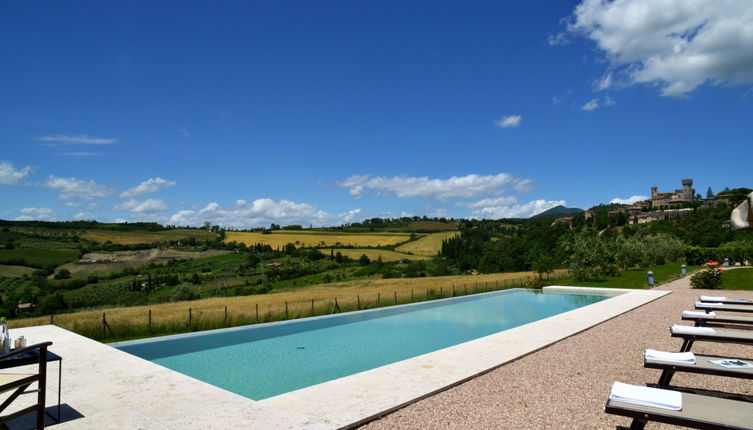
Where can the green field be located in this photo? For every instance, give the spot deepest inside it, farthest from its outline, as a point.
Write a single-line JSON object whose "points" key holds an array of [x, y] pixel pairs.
{"points": [[308, 238], [14, 271], [374, 254], [36, 256], [104, 263], [738, 279], [634, 278], [134, 237]]}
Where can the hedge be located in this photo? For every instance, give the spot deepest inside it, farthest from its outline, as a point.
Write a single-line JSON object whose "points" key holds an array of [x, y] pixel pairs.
{"points": [[696, 255]]}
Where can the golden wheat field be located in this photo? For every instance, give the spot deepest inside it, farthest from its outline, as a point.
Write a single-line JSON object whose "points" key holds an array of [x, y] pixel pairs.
{"points": [[374, 254], [134, 237], [315, 238], [299, 300], [428, 245]]}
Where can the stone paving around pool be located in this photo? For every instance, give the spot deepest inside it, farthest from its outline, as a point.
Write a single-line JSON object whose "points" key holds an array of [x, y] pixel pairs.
{"points": [[106, 388]]}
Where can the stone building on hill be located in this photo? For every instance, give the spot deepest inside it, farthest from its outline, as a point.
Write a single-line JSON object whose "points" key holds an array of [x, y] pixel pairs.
{"points": [[684, 195]]}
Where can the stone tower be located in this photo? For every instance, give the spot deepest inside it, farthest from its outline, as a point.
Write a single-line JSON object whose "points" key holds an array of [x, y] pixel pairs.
{"points": [[687, 190]]}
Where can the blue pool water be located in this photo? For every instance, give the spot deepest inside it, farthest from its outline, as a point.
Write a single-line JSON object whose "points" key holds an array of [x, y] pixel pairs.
{"points": [[270, 359]]}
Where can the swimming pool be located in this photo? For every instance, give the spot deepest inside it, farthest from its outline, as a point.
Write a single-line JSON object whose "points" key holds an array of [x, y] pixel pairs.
{"points": [[270, 359]]}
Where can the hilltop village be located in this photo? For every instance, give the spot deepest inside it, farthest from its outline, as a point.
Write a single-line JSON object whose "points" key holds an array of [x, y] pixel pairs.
{"points": [[662, 205]]}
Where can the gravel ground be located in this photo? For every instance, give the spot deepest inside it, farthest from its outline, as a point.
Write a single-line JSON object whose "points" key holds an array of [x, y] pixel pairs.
{"points": [[565, 386]]}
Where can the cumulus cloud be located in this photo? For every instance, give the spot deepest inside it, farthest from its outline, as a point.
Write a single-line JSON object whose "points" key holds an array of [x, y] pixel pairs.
{"points": [[262, 212], [80, 139], [468, 186], [509, 121], [676, 44], [628, 201], [71, 204], [84, 216], [149, 186], [499, 201], [36, 214], [146, 206], [72, 188], [510, 208], [9, 175], [592, 104]]}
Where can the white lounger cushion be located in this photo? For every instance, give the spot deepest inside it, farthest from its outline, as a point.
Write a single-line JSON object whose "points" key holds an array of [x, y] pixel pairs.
{"points": [[709, 305], [686, 329], [646, 396], [713, 298], [701, 314], [675, 357]]}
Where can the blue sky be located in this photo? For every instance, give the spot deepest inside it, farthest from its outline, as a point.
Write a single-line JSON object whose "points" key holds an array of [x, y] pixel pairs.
{"points": [[247, 113]]}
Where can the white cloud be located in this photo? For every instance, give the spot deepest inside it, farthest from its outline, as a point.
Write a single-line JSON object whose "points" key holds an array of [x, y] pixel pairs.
{"points": [[146, 206], [604, 83], [676, 44], [262, 212], [149, 186], [185, 132], [499, 201], [84, 216], [78, 139], [591, 105], [510, 208], [468, 186], [629, 200], [608, 101], [36, 214], [509, 121], [561, 99], [72, 188], [71, 204], [9, 175]]}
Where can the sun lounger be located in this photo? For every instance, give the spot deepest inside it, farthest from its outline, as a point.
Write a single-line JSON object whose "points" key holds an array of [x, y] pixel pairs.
{"points": [[717, 307], [704, 319], [714, 335], [725, 300], [702, 412], [703, 365]]}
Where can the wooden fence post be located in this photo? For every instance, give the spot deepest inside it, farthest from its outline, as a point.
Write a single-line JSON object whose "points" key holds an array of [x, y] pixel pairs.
{"points": [[312, 307], [411, 296], [395, 296], [52, 317], [358, 299], [257, 313], [286, 309], [378, 297]]}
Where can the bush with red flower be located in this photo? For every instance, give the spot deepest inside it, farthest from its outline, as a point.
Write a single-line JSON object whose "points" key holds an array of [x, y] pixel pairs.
{"points": [[709, 279]]}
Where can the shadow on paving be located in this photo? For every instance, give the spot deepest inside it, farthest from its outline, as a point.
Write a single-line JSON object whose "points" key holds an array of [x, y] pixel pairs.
{"points": [[28, 421]]}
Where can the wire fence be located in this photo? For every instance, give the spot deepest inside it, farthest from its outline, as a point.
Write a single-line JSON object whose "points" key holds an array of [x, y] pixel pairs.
{"points": [[117, 325]]}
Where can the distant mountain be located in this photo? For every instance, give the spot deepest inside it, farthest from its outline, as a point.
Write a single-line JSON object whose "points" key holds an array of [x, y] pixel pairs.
{"points": [[557, 211]]}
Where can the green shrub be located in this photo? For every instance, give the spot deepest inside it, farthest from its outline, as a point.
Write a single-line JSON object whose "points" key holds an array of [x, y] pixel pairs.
{"points": [[709, 279]]}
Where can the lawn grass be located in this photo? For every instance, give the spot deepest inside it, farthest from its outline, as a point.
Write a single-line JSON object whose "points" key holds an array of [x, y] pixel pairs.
{"points": [[634, 278], [738, 279]]}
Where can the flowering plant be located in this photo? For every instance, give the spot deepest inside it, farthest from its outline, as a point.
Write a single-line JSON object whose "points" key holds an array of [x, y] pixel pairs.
{"points": [[709, 279]]}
